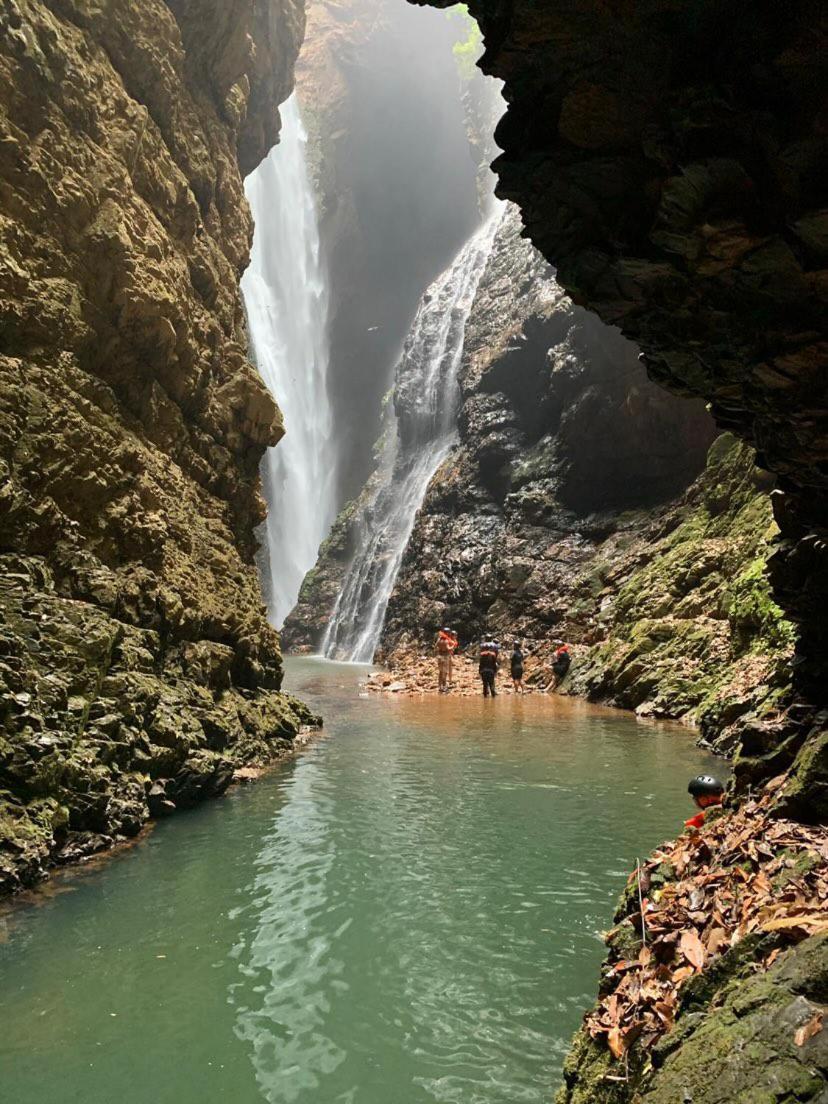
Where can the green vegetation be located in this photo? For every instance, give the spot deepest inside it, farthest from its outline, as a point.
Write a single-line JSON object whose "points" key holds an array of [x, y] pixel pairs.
{"points": [[468, 49], [694, 631], [754, 617]]}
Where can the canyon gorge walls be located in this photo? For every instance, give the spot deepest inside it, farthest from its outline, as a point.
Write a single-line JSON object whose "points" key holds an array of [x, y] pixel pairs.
{"points": [[137, 668], [564, 514], [578, 502]]}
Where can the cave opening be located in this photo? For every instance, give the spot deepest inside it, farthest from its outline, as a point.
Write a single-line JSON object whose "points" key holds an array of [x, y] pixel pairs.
{"points": [[571, 414]]}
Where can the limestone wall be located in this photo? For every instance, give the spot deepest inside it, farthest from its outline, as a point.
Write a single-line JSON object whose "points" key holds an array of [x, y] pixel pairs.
{"points": [[136, 664]]}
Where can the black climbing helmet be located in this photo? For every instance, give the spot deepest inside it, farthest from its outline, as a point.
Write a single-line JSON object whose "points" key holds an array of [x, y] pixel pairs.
{"points": [[705, 785]]}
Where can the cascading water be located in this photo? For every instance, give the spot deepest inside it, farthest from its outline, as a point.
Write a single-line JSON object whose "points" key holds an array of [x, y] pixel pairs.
{"points": [[286, 298], [418, 437]]}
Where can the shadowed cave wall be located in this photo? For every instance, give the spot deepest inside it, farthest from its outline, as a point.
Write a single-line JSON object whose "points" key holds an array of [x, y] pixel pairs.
{"points": [[667, 159]]}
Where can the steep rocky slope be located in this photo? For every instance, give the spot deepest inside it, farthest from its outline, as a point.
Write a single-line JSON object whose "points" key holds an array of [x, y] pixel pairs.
{"points": [[564, 513], [136, 665], [559, 432]]}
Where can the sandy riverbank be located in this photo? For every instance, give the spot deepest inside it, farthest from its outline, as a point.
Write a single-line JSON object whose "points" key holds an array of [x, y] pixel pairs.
{"points": [[413, 673]]}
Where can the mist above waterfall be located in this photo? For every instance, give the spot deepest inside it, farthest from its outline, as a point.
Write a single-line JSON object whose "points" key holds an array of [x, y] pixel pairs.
{"points": [[286, 297], [396, 167]]}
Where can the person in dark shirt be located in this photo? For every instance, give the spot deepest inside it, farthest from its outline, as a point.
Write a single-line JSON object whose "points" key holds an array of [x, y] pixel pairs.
{"points": [[560, 666], [517, 667], [487, 666]]}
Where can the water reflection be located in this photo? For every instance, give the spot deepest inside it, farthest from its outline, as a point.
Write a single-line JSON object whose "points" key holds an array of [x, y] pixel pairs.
{"points": [[287, 957], [409, 912], [425, 916]]}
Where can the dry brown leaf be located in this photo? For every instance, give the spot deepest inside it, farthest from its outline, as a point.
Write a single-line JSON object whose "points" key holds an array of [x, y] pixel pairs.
{"points": [[715, 940], [815, 922], [811, 1027], [682, 974], [666, 1013], [761, 883], [615, 1041], [692, 948], [775, 783]]}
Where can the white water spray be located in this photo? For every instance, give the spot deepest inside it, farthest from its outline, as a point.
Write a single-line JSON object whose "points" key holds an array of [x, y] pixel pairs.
{"points": [[419, 436], [286, 297]]}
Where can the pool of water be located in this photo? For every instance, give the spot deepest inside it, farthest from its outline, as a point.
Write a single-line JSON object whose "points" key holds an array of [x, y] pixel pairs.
{"points": [[408, 912]]}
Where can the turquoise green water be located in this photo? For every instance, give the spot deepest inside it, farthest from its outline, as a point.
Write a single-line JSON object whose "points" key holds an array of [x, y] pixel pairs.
{"points": [[407, 913]]}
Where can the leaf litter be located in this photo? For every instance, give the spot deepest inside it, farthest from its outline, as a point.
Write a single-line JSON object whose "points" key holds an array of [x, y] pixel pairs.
{"points": [[746, 872]]}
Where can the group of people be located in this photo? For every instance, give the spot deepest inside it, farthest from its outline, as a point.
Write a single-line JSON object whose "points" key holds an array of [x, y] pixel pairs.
{"points": [[706, 791], [488, 663]]}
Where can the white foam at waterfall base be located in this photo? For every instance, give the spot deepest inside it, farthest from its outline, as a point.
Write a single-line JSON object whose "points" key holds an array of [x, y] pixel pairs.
{"points": [[420, 434], [286, 298]]}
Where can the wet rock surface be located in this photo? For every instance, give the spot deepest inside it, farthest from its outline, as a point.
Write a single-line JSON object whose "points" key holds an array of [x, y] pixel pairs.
{"points": [[136, 664], [557, 518]]}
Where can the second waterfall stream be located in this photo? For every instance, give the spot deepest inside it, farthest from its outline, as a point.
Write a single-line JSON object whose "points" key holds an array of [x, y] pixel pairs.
{"points": [[286, 297], [419, 434]]}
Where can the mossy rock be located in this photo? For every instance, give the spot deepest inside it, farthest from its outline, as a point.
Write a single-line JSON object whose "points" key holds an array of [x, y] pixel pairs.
{"points": [[743, 1051], [805, 796]]}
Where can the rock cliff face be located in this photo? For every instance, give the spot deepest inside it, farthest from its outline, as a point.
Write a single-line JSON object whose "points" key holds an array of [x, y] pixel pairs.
{"points": [[564, 512], [668, 159], [136, 665], [557, 422]]}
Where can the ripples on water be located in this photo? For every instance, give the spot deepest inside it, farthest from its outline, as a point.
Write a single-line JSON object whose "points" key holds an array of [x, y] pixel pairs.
{"points": [[409, 913]]}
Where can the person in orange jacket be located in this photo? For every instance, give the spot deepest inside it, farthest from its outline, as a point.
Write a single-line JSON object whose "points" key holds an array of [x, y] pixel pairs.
{"points": [[707, 792], [447, 643]]}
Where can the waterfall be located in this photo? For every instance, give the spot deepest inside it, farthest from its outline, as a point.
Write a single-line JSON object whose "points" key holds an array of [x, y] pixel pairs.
{"points": [[419, 434], [286, 298]]}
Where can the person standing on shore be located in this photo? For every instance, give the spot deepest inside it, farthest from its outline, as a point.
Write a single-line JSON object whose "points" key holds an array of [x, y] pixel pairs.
{"points": [[517, 667], [446, 643], [561, 662], [487, 667]]}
